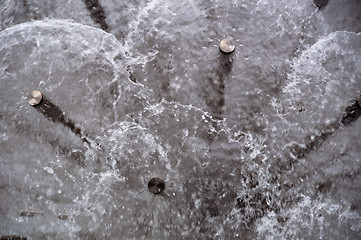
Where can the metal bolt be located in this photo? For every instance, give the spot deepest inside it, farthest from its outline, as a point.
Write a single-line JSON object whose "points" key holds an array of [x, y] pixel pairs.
{"points": [[156, 185], [227, 45], [320, 3], [35, 98]]}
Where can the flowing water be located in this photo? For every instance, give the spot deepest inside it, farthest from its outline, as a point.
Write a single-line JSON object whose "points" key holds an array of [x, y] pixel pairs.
{"points": [[263, 143]]}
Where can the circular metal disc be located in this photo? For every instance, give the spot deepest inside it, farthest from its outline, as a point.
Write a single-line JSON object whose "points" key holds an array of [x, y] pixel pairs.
{"points": [[320, 3], [35, 98], [156, 185], [227, 45]]}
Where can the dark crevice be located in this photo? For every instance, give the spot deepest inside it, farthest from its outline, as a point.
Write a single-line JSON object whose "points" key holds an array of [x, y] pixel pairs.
{"points": [[214, 92], [76, 155], [131, 75], [351, 114], [97, 13], [215, 100], [254, 205], [54, 113], [12, 237]]}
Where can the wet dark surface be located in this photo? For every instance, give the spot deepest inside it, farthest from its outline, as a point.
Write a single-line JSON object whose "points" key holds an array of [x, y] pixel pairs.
{"points": [[12, 238], [55, 114], [262, 143], [97, 13]]}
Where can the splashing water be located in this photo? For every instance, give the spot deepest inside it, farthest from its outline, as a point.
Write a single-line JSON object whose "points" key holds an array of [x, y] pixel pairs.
{"points": [[260, 144]]}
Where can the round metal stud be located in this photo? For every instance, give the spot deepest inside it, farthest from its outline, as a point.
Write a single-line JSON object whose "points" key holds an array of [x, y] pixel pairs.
{"points": [[227, 45], [320, 3], [156, 185], [35, 98]]}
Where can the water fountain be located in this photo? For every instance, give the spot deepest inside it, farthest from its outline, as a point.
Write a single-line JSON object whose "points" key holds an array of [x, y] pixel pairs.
{"points": [[135, 120]]}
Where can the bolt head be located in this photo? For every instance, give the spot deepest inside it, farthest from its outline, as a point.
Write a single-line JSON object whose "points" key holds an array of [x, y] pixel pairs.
{"points": [[35, 98], [227, 45], [156, 185], [320, 3]]}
